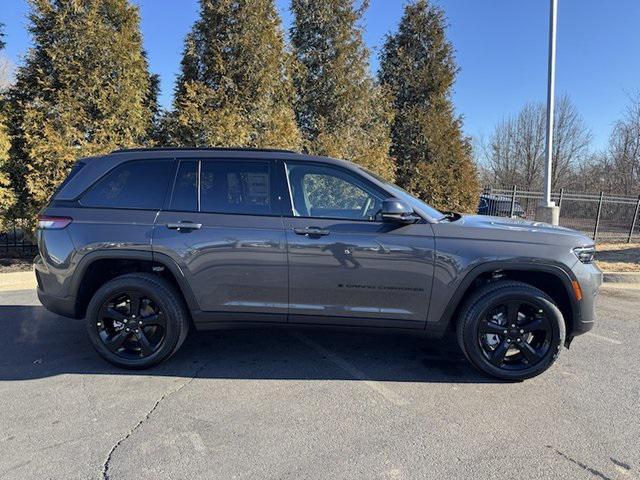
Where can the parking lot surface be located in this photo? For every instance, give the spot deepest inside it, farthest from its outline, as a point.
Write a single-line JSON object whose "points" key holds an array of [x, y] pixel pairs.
{"points": [[307, 404]]}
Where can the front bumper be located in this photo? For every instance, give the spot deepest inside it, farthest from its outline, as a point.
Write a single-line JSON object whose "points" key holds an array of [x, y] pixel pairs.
{"points": [[589, 277]]}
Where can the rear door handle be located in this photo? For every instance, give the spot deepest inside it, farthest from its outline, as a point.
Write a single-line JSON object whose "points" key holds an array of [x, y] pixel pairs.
{"points": [[184, 226], [311, 231]]}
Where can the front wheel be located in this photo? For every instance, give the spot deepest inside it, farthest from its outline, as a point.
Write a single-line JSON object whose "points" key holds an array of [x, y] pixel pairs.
{"points": [[511, 330], [137, 320]]}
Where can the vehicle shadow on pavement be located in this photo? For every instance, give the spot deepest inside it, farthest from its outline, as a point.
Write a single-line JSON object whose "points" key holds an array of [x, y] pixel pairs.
{"points": [[37, 344]]}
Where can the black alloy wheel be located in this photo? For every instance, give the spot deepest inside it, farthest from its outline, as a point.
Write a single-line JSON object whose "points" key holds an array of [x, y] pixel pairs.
{"points": [[131, 325], [510, 330], [515, 334], [137, 320]]}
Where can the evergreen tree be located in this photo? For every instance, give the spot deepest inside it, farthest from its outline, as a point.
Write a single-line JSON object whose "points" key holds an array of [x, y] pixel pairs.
{"points": [[434, 157], [235, 86], [155, 137], [84, 90], [6, 195], [340, 109]]}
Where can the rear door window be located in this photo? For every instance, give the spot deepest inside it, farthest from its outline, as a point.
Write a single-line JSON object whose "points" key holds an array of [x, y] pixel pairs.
{"points": [[185, 188], [235, 186], [139, 184]]}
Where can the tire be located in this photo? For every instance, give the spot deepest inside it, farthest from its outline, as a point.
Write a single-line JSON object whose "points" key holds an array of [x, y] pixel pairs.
{"points": [[158, 326], [529, 342]]}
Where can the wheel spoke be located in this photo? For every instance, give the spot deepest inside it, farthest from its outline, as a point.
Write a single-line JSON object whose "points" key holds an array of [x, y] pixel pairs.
{"points": [[134, 305], [143, 341], [535, 325], [529, 352], [491, 328], [115, 342], [113, 314], [497, 357], [154, 319], [512, 312]]}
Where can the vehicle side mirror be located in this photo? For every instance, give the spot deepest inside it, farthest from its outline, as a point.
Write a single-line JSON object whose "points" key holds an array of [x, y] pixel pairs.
{"points": [[396, 211]]}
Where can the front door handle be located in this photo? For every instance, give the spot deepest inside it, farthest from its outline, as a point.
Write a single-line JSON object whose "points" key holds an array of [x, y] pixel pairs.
{"points": [[311, 231], [184, 226]]}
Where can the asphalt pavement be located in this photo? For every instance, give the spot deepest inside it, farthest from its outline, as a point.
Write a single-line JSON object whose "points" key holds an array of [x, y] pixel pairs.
{"points": [[280, 404]]}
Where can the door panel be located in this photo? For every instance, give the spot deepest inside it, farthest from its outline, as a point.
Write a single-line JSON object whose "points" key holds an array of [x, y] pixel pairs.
{"points": [[359, 272], [345, 266], [234, 258], [234, 263]]}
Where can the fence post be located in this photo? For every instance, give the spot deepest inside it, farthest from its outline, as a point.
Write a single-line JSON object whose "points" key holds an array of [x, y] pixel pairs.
{"points": [[22, 239], [595, 229], [633, 222], [560, 198], [513, 201]]}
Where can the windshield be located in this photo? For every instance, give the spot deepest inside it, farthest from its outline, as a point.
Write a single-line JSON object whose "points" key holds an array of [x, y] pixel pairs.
{"points": [[405, 196]]}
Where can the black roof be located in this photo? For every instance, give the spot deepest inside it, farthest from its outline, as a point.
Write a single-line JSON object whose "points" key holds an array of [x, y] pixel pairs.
{"points": [[227, 149]]}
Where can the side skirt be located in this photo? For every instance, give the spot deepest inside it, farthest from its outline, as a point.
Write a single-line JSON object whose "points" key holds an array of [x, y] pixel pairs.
{"points": [[204, 321]]}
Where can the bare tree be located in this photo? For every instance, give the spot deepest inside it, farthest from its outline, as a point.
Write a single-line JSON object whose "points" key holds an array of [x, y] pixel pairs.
{"points": [[571, 141], [515, 153], [624, 150], [617, 168]]}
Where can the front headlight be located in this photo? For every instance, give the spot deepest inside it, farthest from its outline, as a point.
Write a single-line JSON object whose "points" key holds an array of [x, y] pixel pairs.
{"points": [[585, 254]]}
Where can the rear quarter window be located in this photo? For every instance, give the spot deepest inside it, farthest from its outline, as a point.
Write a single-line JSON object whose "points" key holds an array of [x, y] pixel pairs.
{"points": [[139, 184], [72, 173]]}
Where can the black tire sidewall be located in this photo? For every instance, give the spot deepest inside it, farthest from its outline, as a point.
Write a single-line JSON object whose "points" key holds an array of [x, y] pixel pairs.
{"points": [[162, 296], [471, 345]]}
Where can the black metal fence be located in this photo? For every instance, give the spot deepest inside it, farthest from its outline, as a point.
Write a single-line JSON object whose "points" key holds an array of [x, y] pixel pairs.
{"points": [[603, 217], [16, 240]]}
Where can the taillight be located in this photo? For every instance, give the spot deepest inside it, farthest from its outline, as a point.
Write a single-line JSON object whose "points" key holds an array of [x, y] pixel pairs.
{"points": [[53, 223]]}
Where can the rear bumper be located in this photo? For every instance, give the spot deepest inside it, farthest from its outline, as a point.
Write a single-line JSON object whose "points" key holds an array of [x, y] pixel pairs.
{"points": [[48, 287], [61, 306]]}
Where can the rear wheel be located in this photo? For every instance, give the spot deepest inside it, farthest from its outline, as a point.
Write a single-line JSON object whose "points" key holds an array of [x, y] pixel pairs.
{"points": [[511, 330], [137, 320]]}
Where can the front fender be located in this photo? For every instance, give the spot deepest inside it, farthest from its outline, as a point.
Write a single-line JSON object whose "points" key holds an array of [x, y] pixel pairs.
{"points": [[448, 296]]}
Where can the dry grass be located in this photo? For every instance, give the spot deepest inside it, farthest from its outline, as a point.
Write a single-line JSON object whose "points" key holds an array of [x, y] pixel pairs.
{"points": [[618, 257], [15, 265]]}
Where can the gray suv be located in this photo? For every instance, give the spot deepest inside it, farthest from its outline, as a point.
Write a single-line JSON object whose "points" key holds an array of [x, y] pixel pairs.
{"points": [[146, 244]]}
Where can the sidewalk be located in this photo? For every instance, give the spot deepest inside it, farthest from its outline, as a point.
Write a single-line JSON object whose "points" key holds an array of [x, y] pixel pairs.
{"points": [[17, 281]]}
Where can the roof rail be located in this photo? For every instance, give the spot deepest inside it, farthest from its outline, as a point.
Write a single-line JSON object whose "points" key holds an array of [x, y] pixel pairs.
{"points": [[161, 149]]}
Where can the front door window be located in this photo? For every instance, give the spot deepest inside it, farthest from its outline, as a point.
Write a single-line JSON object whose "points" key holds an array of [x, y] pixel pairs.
{"points": [[325, 192]]}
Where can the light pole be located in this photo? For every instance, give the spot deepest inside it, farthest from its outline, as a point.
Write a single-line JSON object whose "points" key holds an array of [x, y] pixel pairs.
{"points": [[547, 210]]}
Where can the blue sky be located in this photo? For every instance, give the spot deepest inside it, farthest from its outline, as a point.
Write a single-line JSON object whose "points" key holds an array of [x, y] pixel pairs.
{"points": [[501, 49]]}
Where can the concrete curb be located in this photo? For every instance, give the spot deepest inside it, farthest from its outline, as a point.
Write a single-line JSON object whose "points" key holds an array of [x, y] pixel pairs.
{"points": [[621, 277]]}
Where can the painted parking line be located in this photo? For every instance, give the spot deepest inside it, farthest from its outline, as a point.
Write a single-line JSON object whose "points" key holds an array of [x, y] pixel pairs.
{"points": [[606, 339], [352, 370]]}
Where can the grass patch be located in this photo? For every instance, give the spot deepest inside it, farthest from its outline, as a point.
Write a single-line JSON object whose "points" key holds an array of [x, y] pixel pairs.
{"points": [[618, 257]]}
